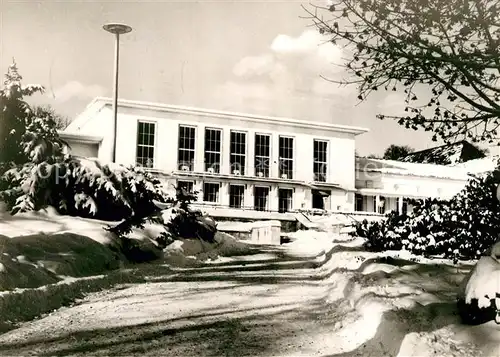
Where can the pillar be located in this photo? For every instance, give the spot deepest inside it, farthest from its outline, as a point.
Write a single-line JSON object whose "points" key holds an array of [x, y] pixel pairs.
{"points": [[274, 198], [224, 194], [198, 187], [274, 164], [400, 205], [248, 199], [250, 159], [225, 152]]}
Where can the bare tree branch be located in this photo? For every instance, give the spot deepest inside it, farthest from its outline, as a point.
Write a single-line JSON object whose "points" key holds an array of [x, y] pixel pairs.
{"points": [[450, 47]]}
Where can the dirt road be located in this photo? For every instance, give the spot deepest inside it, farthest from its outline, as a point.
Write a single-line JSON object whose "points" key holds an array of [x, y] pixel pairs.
{"points": [[268, 304]]}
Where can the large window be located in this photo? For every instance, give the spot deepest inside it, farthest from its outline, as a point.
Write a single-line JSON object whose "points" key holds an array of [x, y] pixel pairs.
{"points": [[212, 150], [262, 155], [145, 144], [286, 157], [238, 152], [186, 152], [211, 192], [236, 195], [320, 160], [285, 196], [261, 198]]}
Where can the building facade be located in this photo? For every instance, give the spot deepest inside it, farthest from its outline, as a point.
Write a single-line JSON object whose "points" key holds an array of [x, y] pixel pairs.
{"points": [[250, 162], [233, 160]]}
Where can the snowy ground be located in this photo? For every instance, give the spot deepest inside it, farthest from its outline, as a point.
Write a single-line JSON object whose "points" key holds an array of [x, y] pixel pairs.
{"points": [[318, 296]]}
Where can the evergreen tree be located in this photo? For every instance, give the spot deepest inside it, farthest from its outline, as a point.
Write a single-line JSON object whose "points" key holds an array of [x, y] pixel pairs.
{"points": [[24, 136]]}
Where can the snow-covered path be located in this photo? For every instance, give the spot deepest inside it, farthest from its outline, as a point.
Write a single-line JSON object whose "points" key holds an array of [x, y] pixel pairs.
{"points": [[277, 303]]}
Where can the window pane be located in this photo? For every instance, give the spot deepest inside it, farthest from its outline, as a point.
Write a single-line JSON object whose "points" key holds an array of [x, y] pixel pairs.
{"points": [[238, 164], [211, 192], [261, 198], [285, 199], [262, 155], [320, 164], [212, 162], [185, 154], [145, 144], [236, 196], [212, 150], [285, 157], [238, 143], [237, 157]]}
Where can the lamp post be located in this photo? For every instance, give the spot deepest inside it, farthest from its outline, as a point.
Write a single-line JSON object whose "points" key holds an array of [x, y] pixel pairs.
{"points": [[117, 30]]}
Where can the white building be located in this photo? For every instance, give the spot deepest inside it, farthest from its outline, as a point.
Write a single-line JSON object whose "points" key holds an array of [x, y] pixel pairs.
{"points": [[234, 160], [259, 163], [386, 185]]}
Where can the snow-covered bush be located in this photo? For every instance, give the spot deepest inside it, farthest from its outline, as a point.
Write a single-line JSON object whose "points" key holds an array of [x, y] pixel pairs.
{"points": [[82, 187], [478, 297], [463, 227], [178, 219]]}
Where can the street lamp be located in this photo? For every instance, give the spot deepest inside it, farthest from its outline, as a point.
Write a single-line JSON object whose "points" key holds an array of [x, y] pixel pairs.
{"points": [[117, 30]]}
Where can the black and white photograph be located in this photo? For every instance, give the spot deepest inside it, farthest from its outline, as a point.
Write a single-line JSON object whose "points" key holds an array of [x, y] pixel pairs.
{"points": [[261, 178]]}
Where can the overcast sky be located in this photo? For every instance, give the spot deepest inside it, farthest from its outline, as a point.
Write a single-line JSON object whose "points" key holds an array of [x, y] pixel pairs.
{"points": [[251, 56]]}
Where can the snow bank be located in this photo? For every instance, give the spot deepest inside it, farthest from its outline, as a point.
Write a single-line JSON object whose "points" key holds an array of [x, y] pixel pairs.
{"points": [[484, 283], [40, 247], [392, 303], [306, 243], [189, 252], [48, 221], [39, 259]]}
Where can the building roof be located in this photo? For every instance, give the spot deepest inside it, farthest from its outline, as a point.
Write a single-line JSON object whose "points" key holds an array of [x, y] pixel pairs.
{"points": [[100, 102], [411, 169], [449, 154], [79, 137]]}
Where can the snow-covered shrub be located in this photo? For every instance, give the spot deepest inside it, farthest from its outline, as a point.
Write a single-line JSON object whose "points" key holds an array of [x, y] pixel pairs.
{"points": [[82, 187], [179, 220], [190, 223], [463, 227], [478, 297]]}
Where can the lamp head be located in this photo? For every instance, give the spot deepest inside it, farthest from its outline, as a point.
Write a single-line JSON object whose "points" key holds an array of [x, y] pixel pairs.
{"points": [[117, 29]]}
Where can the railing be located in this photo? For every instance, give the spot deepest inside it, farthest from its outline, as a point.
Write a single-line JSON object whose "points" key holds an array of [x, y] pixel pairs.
{"points": [[241, 208], [255, 177], [305, 211]]}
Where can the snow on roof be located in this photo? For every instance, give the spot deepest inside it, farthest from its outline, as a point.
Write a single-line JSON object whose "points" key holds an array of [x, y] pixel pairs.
{"points": [[412, 169], [79, 137], [477, 166]]}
